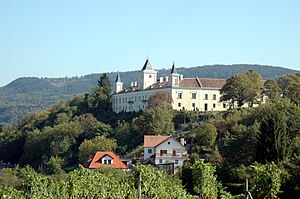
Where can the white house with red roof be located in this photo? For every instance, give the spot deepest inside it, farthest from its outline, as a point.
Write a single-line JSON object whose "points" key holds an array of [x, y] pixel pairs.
{"points": [[201, 94], [164, 149], [104, 159]]}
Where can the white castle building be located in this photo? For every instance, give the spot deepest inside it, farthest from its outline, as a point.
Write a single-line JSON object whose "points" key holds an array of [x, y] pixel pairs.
{"points": [[201, 94]]}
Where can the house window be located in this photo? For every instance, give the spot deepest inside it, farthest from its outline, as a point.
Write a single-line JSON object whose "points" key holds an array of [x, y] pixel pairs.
{"points": [[193, 95], [179, 104], [108, 161], [214, 105], [149, 150], [206, 96], [179, 95], [160, 161], [214, 97], [176, 161], [205, 107], [105, 161], [162, 152], [168, 142]]}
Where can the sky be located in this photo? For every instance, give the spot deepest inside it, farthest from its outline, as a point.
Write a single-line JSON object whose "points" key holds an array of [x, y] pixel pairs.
{"points": [[59, 38]]}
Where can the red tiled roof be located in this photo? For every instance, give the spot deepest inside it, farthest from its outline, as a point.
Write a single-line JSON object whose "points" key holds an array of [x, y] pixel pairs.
{"points": [[189, 83], [154, 140], [202, 83], [157, 85], [212, 82], [94, 162]]}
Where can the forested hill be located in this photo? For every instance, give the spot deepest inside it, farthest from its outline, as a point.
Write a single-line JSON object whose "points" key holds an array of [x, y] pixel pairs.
{"points": [[29, 94]]}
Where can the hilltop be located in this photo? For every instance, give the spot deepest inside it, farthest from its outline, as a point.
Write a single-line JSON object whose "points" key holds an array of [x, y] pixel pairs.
{"points": [[28, 94]]}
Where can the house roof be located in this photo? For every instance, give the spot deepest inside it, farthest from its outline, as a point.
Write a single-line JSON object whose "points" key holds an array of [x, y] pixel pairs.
{"points": [[189, 83], [154, 140], [212, 82], [202, 83], [94, 162]]}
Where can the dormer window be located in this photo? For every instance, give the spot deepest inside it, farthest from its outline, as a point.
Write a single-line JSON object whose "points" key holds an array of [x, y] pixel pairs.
{"points": [[107, 160]]}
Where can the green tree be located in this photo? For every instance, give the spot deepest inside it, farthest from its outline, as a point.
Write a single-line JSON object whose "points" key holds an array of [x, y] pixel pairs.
{"points": [[273, 142], [267, 180], [99, 143], [290, 85], [205, 135], [271, 90], [100, 97], [209, 179], [158, 99], [155, 121], [243, 88]]}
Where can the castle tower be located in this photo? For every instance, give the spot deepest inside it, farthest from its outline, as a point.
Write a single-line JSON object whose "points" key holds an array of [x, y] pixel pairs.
{"points": [[119, 84], [148, 76], [174, 77]]}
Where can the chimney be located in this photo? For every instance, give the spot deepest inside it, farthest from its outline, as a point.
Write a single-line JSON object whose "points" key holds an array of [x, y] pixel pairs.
{"points": [[182, 141], [166, 78], [161, 79], [135, 83], [181, 77], [131, 84]]}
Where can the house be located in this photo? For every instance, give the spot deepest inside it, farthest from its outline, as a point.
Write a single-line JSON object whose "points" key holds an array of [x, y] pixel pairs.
{"points": [[165, 151], [201, 94], [104, 159]]}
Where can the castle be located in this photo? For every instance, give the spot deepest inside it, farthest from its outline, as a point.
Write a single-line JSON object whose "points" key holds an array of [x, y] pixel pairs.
{"points": [[201, 94]]}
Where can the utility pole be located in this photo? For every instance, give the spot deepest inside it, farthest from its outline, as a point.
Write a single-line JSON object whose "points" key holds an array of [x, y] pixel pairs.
{"points": [[201, 196], [139, 186], [246, 189]]}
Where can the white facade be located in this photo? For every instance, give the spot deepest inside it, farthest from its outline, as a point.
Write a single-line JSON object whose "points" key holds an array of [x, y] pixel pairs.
{"points": [[168, 151], [201, 94]]}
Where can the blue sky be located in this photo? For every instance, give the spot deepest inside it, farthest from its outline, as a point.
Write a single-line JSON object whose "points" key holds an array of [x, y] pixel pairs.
{"points": [[58, 38]]}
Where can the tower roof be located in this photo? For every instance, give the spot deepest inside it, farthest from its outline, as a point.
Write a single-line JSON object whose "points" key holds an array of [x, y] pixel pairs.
{"points": [[173, 69], [147, 65], [118, 79]]}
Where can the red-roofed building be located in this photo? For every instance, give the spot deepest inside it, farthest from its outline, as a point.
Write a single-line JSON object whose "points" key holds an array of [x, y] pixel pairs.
{"points": [[165, 151], [104, 159], [201, 94]]}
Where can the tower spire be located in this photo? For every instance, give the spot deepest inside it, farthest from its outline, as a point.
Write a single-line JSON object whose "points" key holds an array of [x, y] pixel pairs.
{"points": [[173, 71]]}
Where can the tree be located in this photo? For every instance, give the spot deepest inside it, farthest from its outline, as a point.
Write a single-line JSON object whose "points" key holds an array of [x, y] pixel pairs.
{"points": [[100, 97], [205, 135], [290, 85], [158, 99], [271, 90], [273, 142], [155, 121], [99, 143], [266, 180], [243, 88]]}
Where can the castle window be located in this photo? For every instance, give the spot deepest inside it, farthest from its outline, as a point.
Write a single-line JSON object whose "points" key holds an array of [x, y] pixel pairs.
{"points": [[205, 107], [194, 95], [224, 105], [179, 95], [214, 97], [214, 105], [176, 82], [206, 96], [179, 104]]}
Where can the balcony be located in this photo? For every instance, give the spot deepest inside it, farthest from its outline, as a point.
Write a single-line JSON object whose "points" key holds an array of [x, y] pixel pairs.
{"points": [[172, 155]]}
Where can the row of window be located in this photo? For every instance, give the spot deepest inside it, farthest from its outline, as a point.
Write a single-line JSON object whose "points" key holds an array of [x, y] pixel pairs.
{"points": [[128, 108], [205, 106], [194, 96], [129, 99]]}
